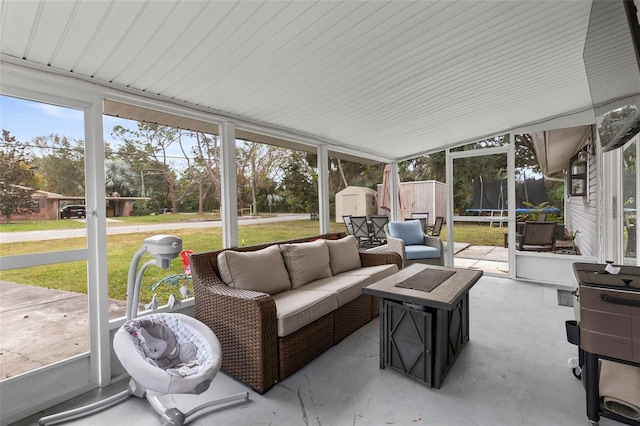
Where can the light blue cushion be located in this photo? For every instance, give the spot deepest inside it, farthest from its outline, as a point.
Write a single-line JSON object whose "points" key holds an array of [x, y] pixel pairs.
{"points": [[409, 231], [421, 252]]}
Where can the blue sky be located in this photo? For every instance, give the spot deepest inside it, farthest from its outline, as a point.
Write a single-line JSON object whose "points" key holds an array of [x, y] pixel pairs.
{"points": [[26, 120]]}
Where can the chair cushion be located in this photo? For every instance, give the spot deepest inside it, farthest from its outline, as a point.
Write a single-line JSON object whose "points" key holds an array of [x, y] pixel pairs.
{"points": [[306, 262], [297, 308], [343, 254], [421, 252], [260, 270], [409, 231]]}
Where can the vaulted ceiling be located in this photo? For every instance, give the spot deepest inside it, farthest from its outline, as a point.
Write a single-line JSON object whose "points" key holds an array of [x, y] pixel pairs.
{"points": [[391, 79]]}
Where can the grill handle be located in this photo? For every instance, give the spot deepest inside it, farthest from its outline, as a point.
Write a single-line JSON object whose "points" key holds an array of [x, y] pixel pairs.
{"points": [[619, 300]]}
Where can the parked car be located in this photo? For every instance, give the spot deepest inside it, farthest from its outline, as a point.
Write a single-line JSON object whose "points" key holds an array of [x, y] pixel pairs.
{"points": [[73, 211]]}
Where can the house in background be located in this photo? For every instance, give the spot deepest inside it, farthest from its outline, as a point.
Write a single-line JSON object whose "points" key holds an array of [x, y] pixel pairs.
{"points": [[47, 205]]}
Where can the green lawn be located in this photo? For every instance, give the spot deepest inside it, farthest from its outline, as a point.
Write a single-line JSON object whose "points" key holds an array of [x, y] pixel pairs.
{"points": [[72, 276]]}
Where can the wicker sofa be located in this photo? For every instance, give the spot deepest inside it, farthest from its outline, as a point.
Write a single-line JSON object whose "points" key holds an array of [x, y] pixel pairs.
{"points": [[269, 329]]}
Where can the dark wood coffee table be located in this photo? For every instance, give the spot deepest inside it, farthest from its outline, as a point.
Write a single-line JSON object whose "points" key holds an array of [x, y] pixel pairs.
{"points": [[423, 331]]}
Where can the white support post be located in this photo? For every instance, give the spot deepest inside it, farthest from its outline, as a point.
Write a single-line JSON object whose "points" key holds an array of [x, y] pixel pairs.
{"points": [[96, 222], [323, 189], [393, 190], [228, 179], [448, 259], [511, 207]]}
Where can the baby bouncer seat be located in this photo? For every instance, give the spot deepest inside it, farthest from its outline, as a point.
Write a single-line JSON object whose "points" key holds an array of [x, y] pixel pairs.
{"points": [[164, 353]]}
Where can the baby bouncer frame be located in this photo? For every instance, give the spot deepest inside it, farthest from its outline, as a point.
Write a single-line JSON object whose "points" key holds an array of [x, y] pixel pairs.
{"points": [[148, 380]]}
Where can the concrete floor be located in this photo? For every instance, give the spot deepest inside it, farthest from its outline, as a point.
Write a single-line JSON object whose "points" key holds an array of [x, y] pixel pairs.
{"points": [[513, 371]]}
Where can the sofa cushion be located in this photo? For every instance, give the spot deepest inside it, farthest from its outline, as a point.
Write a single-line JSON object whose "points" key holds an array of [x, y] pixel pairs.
{"points": [[410, 231], [297, 308], [421, 252], [377, 272], [260, 270], [345, 287], [343, 254], [306, 262]]}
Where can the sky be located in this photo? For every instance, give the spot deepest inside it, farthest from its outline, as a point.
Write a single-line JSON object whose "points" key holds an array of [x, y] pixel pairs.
{"points": [[26, 120]]}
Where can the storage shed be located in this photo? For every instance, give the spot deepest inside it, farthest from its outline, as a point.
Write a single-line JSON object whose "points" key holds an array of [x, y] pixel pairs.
{"points": [[356, 201], [427, 196]]}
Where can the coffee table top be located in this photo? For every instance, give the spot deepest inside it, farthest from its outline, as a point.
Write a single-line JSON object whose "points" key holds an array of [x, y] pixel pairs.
{"points": [[444, 296]]}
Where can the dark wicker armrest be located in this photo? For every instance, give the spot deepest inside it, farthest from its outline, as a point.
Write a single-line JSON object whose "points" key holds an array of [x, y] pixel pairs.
{"points": [[380, 258], [244, 321]]}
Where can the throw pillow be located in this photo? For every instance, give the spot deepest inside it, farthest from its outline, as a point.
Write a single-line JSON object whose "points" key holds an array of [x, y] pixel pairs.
{"points": [[409, 231], [343, 254], [306, 262], [260, 270]]}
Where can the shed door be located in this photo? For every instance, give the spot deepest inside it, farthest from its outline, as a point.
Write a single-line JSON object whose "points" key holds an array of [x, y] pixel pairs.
{"points": [[350, 204]]}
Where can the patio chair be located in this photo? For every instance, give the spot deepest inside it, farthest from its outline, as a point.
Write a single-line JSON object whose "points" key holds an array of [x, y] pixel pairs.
{"points": [[361, 230], [423, 217], [378, 235], [538, 236], [347, 223], [437, 227], [412, 244]]}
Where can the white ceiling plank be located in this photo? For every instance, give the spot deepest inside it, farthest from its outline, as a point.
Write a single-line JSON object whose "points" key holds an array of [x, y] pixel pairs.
{"points": [[135, 40], [16, 33], [49, 34], [163, 37], [78, 36], [111, 36], [285, 40], [188, 80], [195, 42]]}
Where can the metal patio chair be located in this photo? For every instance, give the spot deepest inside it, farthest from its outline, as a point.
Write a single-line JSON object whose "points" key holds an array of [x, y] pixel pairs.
{"points": [[361, 230], [378, 235], [347, 223]]}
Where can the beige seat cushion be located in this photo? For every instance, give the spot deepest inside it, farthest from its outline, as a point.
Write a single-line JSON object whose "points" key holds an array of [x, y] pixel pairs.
{"points": [[260, 270], [343, 254], [306, 262], [346, 288], [297, 308], [377, 272]]}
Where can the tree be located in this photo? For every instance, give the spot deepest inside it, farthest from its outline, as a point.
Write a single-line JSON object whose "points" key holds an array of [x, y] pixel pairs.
{"points": [[299, 183], [258, 165], [206, 169], [61, 164], [147, 148], [15, 171], [120, 178]]}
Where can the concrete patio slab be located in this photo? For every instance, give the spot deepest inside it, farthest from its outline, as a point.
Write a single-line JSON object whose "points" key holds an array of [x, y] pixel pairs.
{"points": [[475, 252], [499, 254], [58, 321]]}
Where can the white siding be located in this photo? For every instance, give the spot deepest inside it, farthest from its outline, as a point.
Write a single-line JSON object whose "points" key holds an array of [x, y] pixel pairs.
{"points": [[581, 214]]}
